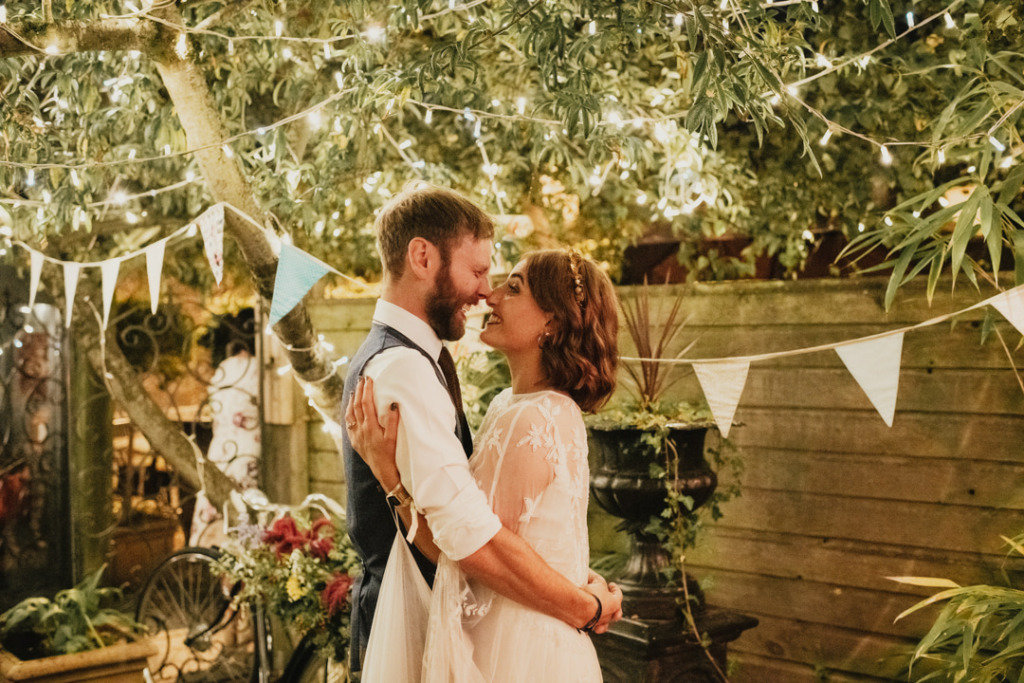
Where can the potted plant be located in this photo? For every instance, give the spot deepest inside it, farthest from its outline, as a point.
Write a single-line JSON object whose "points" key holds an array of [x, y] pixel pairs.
{"points": [[72, 637], [651, 466]]}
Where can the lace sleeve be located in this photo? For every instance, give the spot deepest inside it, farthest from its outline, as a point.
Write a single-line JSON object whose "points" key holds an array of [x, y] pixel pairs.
{"points": [[525, 465]]}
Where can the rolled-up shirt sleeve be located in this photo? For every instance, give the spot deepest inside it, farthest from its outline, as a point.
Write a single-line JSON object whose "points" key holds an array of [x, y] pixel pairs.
{"points": [[430, 459]]}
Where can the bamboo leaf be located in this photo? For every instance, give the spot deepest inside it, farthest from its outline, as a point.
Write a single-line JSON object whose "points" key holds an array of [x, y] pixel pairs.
{"points": [[926, 581], [964, 229]]}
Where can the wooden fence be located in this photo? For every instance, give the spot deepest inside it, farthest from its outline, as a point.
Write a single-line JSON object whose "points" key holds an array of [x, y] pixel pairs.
{"points": [[833, 501]]}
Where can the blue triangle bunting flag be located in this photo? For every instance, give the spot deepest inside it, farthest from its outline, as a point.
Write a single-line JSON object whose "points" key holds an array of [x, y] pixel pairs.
{"points": [[297, 272]]}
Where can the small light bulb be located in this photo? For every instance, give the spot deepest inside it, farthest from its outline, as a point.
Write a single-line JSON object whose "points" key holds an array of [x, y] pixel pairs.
{"points": [[283, 370], [339, 80], [428, 117], [886, 156], [278, 28], [950, 24], [910, 19], [1000, 147], [3, 14], [678, 19], [808, 235], [521, 105], [592, 28], [825, 138], [942, 156], [231, 47], [227, 151], [30, 177], [51, 49], [375, 34], [860, 227], [181, 46]]}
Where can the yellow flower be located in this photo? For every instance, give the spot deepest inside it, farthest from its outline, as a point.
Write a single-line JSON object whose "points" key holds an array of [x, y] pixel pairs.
{"points": [[294, 588]]}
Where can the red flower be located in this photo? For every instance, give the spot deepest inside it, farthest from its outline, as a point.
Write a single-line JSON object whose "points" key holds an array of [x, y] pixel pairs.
{"points": [[285, 536], [320, 545], [335, 595]]}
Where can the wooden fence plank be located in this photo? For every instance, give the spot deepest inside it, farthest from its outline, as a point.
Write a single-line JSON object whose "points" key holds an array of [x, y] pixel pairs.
{"points": [[978, 437], [869, 611], [921, 525], [856, 564], [957, 481], [829, 650]]}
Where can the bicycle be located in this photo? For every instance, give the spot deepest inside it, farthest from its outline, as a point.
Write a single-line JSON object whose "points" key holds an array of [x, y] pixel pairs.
{"points": [[196, 619]]}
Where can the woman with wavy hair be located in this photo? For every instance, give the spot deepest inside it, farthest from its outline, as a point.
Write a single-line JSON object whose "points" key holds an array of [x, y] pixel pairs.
{"points": [[555, 320]]}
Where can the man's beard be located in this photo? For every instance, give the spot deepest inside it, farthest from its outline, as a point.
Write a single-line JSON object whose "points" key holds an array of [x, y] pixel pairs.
{"points": [[443, 305]]}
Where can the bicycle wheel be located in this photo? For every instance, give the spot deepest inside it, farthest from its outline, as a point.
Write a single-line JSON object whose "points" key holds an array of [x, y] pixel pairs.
{"points": [[186, 606], [306, 664]]}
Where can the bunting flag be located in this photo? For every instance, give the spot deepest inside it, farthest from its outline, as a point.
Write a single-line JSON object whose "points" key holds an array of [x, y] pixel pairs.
{"points": [[722, 384], [875, 364], [154, 266], [1011, 305], [211, 225], [71, 272], [109, 270], [35, 270], [297, 272]]}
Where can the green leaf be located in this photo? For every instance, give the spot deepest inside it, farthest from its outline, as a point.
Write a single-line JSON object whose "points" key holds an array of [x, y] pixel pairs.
{"points": [[1011, 186], [896, 279], [964, 229], [926, 581]]}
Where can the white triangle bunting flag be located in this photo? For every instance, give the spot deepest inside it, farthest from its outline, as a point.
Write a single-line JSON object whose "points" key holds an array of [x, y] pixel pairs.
{"points": [[1011, 305], [211, 225], [722, 383], [35, 270], [875, 364], [154, 266], [71, 272], [109, 270]]}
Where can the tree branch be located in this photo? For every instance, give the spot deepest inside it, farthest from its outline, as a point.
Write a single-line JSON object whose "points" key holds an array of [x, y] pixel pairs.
{"points": [[77, 36], [204, 128]]}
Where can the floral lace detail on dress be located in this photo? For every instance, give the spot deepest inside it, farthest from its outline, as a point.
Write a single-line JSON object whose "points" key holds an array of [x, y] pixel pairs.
{"points": [[531, 460]]}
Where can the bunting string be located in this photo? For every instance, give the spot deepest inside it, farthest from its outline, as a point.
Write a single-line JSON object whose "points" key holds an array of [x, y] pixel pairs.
{"points": [[1004, 299]]}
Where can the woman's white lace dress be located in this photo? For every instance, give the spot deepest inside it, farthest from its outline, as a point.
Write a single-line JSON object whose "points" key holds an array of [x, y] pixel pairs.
{"points": [[531, 461]]}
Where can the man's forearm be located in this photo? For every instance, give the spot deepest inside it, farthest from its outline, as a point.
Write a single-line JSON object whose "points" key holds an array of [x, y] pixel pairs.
{"points": [[509, 566]]}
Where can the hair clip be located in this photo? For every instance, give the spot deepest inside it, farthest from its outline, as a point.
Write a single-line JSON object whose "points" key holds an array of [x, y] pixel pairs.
{"points": [[574, 269]]}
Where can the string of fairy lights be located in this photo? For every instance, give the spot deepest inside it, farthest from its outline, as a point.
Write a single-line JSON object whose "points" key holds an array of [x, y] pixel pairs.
{"points": [[515, 110]]}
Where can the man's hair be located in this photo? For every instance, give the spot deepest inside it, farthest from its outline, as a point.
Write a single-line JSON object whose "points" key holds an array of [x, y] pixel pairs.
{"points": [[436, 214]]}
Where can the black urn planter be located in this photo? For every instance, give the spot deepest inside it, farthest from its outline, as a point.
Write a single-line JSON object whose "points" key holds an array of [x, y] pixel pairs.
{"points": [[653, 643], [623, 486]]}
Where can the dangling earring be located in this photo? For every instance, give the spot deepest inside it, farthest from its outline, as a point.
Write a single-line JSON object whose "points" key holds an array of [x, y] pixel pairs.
{"points": [[543, 338]]}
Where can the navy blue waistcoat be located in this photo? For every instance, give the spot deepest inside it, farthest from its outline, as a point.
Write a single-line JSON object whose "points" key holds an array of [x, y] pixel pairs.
{"points": [[370, 524]]}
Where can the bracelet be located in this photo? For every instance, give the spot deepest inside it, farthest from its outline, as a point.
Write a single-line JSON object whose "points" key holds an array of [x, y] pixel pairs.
{"points": [[589, 626]]}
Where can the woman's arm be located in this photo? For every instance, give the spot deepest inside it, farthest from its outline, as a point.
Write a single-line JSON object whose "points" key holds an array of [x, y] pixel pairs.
{"points": [[377, 447]]}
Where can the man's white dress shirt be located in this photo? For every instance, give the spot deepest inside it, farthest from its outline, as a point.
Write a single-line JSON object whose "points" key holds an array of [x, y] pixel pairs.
{"points": [[430, 458]]}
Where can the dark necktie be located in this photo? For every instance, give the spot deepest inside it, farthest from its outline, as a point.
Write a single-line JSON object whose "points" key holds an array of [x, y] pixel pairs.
{"points": [[451, 378]]}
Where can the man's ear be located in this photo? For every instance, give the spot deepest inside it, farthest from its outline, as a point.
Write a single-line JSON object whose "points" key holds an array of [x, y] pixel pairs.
{"points": [[422, 258]]}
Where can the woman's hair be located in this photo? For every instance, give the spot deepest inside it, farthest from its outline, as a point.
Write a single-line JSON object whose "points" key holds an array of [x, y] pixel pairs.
{"points": [[581, 356]]}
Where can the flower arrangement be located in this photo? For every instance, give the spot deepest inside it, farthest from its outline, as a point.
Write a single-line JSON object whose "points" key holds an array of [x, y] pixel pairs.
{"points": [[300, 570]]}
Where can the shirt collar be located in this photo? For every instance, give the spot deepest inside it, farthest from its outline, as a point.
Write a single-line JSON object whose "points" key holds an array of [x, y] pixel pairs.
{"points": [[412, 326]]}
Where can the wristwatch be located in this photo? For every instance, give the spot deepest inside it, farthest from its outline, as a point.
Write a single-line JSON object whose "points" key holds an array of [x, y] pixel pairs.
{"points": [[398, 496]]}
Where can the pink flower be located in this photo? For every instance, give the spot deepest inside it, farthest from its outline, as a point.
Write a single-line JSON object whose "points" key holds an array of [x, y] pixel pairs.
{"points": [[335, 595]]}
